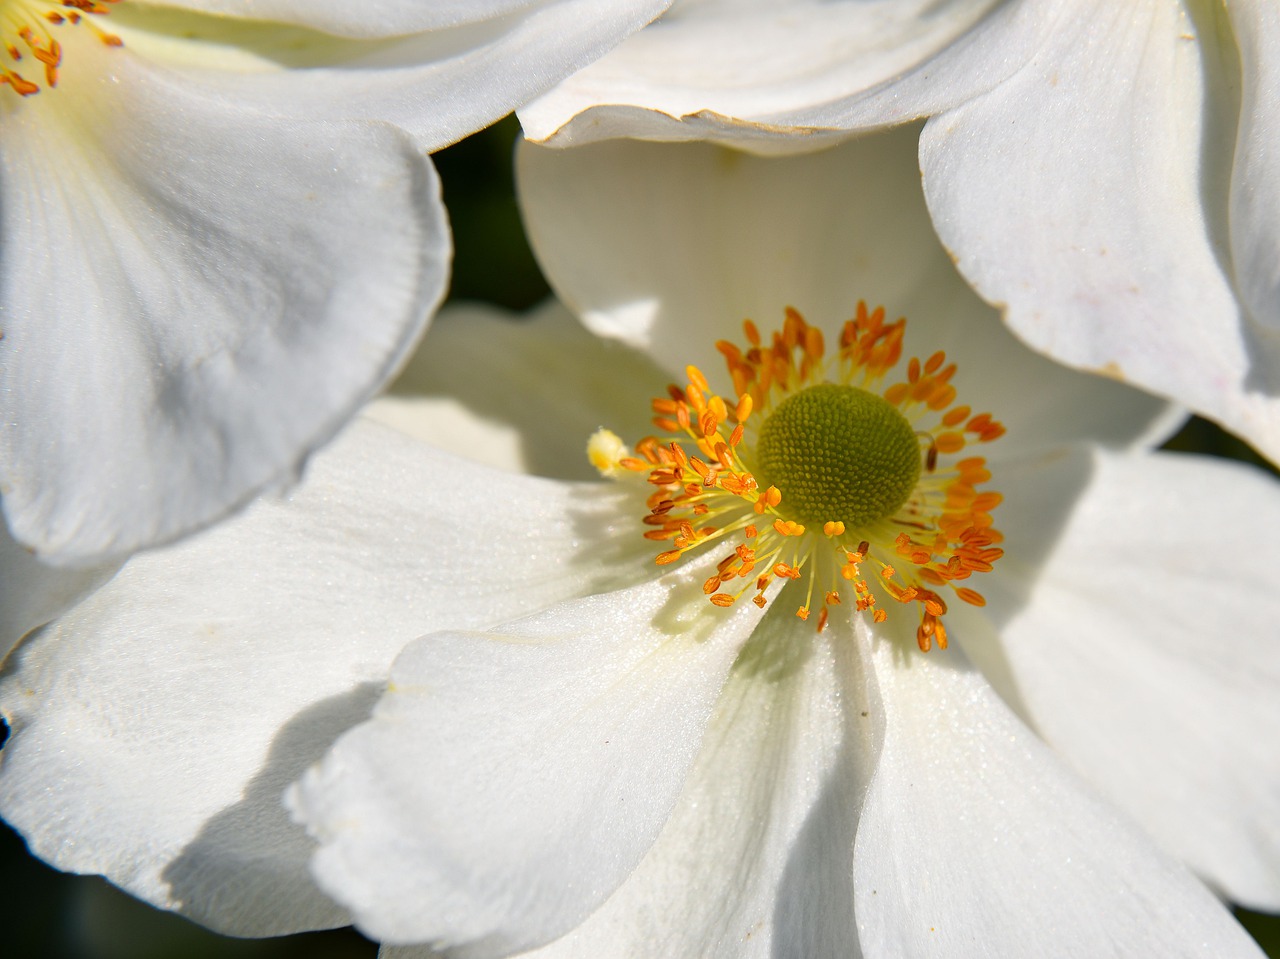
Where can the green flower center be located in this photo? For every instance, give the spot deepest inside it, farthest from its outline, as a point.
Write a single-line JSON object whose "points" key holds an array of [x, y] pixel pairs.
{"points": [[838, 453]]}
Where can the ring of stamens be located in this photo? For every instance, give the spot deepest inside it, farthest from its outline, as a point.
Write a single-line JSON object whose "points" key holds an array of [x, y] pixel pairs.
{"points": [[27, 29], [704, 472]]}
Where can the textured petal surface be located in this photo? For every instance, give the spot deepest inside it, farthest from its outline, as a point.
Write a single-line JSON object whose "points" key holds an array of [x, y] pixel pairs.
{"points": [[156, 725], [1146, 654], [440, 71], [510, 781], [193, 297], [670, 247], [1097, 219], [757, 857], [520, 393], [976, 841], [761, 72]]}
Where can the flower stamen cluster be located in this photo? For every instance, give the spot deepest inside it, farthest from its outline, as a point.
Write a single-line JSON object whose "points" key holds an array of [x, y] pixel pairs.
{"points": [[929, 527], [27, 29]]}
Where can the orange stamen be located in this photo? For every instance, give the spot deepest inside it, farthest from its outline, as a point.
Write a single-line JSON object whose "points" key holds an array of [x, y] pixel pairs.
{"points": [[703, 468]]}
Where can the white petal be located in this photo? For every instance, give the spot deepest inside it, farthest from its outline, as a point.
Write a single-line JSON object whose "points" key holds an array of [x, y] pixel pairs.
{"points": [[757, 857], [440, 71], [669, 247], [976, 841], [1075, 196], [510, 781], [369, 18], [33, 592], [1146, 653], [193, 298], [156, 725], [520, 393], [1255, 194], [758, 72], [1040, 493]]}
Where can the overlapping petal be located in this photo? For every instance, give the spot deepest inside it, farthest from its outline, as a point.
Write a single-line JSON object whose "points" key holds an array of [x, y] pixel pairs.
{"points": [[972, 832], [977, 772], [194, 296], [756, 857], [1096, 225], [439, 71], [670, 247], [774, 74], [582, 724], [975, 840], [33, 592], [1102, 173], [156, 726], [574, 765], [213, 256], [1143, 651], [1094, 195]]}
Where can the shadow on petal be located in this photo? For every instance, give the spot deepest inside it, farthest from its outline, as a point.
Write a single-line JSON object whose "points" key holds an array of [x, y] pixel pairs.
{"points": [[539, 382], [32, 592], [1041, 493], [814, 911], [246, 872]]}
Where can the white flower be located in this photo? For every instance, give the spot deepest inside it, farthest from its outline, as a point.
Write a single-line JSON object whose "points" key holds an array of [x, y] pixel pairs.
{"points": [[584, 747], [215, 245], [1107, 174]]}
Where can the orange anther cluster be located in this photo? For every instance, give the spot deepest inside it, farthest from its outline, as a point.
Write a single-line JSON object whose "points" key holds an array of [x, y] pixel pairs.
{"points": [[28, 33], [705, 490]]}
